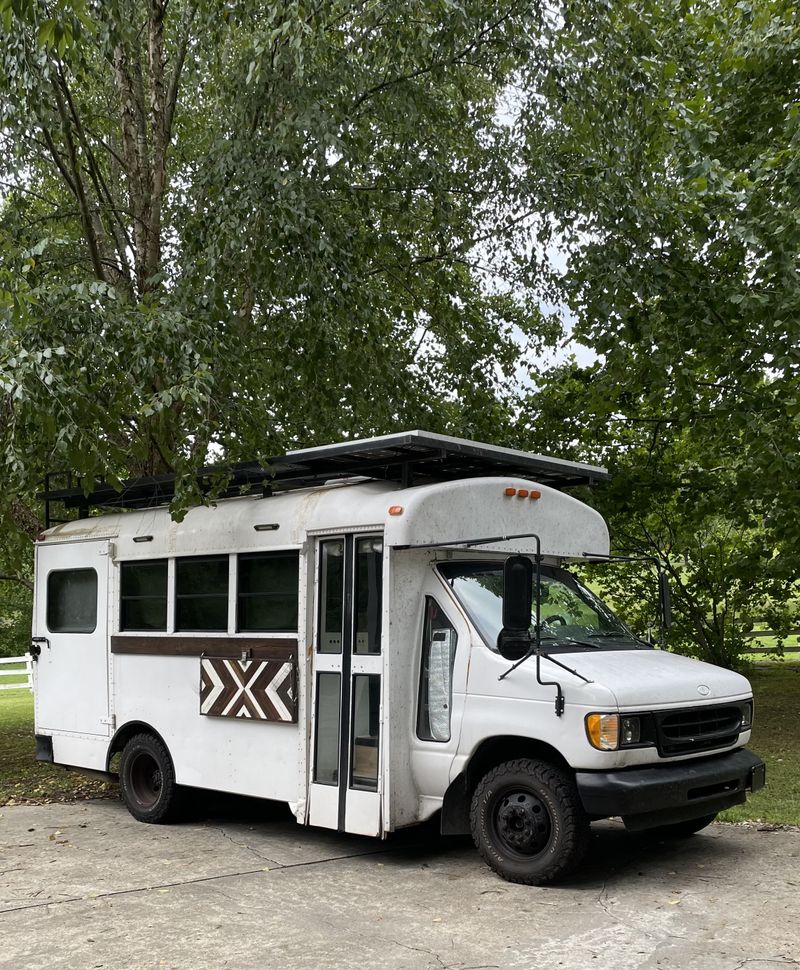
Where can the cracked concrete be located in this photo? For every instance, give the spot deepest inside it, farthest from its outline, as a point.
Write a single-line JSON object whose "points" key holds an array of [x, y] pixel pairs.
{"points": [[86, 886]]}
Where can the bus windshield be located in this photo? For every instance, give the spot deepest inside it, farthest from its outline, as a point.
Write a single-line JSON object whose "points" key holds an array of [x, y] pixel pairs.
{"points": [[571, 615]]}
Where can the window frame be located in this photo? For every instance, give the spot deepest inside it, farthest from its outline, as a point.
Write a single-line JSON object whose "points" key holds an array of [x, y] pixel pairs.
{"points": [[176, 597], [424, 674]]}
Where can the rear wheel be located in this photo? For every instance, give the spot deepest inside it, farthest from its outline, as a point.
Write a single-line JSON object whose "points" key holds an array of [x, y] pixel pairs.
{"points": [[528, 822], [147, 779]]}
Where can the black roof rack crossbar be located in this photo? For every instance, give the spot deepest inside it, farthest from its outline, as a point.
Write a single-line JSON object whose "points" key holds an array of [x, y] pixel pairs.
{"points": [[412, 457]]}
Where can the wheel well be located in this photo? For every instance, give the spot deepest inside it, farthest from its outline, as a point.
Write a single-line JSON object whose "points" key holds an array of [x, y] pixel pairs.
{"points": [[125, 733], [489, 753]]}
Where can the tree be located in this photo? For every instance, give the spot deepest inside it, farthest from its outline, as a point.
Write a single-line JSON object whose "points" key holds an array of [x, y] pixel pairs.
{"points": [[228, 229], [664, 503], [674, 130]]}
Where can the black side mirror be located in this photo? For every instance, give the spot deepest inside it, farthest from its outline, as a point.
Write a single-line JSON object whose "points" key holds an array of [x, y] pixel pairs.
{"points": [[666, 600], [514, 640]]}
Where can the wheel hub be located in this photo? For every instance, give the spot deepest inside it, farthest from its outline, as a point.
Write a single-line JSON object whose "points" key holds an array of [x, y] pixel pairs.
{"points": [[522, 822]]}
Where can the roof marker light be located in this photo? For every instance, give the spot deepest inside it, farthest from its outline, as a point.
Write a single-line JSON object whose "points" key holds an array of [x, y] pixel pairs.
{"points": [[535, 493], [395, 510], [510, 491], [266, 527], [142, 538], [522, 493]]}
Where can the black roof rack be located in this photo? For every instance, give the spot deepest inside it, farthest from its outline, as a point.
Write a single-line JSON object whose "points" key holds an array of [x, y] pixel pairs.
{"points": [[411, 457]]}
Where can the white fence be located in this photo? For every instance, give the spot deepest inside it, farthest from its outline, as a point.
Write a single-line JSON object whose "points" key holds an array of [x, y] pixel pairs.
{"points": [[19, 670]]}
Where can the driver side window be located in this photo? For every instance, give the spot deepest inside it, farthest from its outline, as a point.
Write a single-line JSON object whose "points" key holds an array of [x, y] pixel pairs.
{"points": [[439, 640]]}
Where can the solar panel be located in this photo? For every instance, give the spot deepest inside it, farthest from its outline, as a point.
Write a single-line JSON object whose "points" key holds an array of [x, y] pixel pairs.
{"points": [[407, 458]]}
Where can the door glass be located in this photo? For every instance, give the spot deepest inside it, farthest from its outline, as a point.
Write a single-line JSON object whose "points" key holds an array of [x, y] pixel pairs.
{"points": [[436, 679], [331, 597], [72, 601], [326, 760], [366, 732], [369, 574]]}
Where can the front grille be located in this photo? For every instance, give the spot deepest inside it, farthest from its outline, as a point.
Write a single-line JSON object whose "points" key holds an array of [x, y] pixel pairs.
{"points": [[697, 729]]}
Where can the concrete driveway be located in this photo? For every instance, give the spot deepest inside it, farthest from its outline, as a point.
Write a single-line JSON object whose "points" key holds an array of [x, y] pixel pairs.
{"points": [[85, 886]]}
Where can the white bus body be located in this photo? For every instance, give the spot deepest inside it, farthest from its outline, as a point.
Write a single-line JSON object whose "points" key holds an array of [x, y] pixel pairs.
{"points": [[315, 647]]}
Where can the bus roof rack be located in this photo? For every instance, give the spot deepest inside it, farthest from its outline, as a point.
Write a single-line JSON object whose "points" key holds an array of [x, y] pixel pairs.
{"points": [[409, 457]]}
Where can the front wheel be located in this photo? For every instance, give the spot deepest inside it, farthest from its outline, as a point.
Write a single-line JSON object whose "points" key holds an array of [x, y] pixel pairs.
{"points": [[528, 822], [147, 779]]}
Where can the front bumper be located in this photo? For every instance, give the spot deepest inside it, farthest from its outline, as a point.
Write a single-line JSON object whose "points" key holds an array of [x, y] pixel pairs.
{"points": [[662, 794]]}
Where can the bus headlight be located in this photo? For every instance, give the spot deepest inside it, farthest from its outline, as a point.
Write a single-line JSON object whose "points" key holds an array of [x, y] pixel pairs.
{"points": [[747, 716]]}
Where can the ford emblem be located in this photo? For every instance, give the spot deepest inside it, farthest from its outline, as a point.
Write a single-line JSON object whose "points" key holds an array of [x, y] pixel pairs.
{"points": [[703, 690]]}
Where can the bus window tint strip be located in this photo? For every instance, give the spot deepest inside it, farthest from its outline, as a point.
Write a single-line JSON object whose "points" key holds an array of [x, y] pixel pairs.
{"points": [[201, 593], [143, 595], [267, 592]]}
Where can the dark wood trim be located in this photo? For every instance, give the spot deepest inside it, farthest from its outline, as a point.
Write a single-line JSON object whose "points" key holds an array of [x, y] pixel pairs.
{"points": [[266, 648]]}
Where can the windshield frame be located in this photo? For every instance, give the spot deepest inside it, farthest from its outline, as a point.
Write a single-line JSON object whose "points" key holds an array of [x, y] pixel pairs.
{"points": [[626, 641]]}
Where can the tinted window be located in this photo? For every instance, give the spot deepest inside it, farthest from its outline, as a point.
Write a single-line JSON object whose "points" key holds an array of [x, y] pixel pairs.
{"points": [[201, 593], [267, 594], [331, 596], [72, 601], [369, 578], [143, 603]]}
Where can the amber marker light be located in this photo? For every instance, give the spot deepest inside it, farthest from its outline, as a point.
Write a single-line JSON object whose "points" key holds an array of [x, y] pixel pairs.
{"points": [[510, 491], [395, 510], [535, 493], [522, 493], [603, 731]]}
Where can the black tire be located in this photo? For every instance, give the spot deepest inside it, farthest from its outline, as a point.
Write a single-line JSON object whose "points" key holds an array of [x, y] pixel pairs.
{"points": [[147, 779], [682, 830], [528, 823]]}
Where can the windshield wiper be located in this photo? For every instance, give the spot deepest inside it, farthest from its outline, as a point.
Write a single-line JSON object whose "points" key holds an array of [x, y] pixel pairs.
{"points": [[580, 643], [620, 636]]}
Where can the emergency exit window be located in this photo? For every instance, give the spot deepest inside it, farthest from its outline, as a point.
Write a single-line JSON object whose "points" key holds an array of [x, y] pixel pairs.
{"points": [[143, 596], [72, 601]]}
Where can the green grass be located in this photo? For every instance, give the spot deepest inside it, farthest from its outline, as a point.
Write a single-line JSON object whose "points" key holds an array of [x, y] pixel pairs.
{"points": [[776, 738], [23, 780]]}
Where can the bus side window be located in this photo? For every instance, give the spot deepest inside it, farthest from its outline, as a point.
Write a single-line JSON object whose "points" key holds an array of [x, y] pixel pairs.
{"points": [[436, 679]]}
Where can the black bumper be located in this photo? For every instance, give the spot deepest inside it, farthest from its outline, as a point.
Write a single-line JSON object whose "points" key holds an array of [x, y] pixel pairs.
{"points": [[665, 793]]}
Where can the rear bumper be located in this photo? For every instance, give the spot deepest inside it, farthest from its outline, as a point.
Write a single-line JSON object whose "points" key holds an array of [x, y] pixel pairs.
{"points": [[665, 793]]}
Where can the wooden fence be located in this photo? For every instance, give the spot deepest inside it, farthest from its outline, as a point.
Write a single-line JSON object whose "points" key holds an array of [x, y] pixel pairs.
{"points": [[18, 668], [788, 647]]}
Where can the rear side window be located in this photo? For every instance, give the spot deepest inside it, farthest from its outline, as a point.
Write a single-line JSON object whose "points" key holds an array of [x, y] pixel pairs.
{"points": [[143, 601], [72, 601], [201, 593], [267, 593]]}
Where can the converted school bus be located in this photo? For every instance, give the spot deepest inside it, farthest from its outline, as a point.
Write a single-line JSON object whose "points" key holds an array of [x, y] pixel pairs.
{"points": [[341, 640]]}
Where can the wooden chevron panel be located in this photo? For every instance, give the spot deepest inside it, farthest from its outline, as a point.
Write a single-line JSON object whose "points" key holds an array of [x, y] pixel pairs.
{"points": [[263, 690]]}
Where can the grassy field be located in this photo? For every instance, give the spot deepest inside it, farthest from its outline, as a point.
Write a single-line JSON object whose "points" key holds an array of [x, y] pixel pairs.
{"points": [[776, 739], [22, 778]]}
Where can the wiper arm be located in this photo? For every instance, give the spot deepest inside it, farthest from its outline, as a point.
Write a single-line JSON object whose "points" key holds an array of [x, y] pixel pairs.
{"points": [[580, 643], [620, 636]]}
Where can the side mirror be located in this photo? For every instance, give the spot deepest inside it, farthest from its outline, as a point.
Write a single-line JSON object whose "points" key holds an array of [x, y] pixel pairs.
{"points": [[514, 640], [666, 600]]}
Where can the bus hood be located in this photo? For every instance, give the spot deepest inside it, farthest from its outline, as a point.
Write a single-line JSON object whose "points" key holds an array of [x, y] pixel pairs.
{"points": [[648, 679]]}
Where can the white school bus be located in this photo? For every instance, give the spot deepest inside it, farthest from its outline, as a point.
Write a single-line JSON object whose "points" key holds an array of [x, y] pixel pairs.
{"points": [[383, 630]]}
